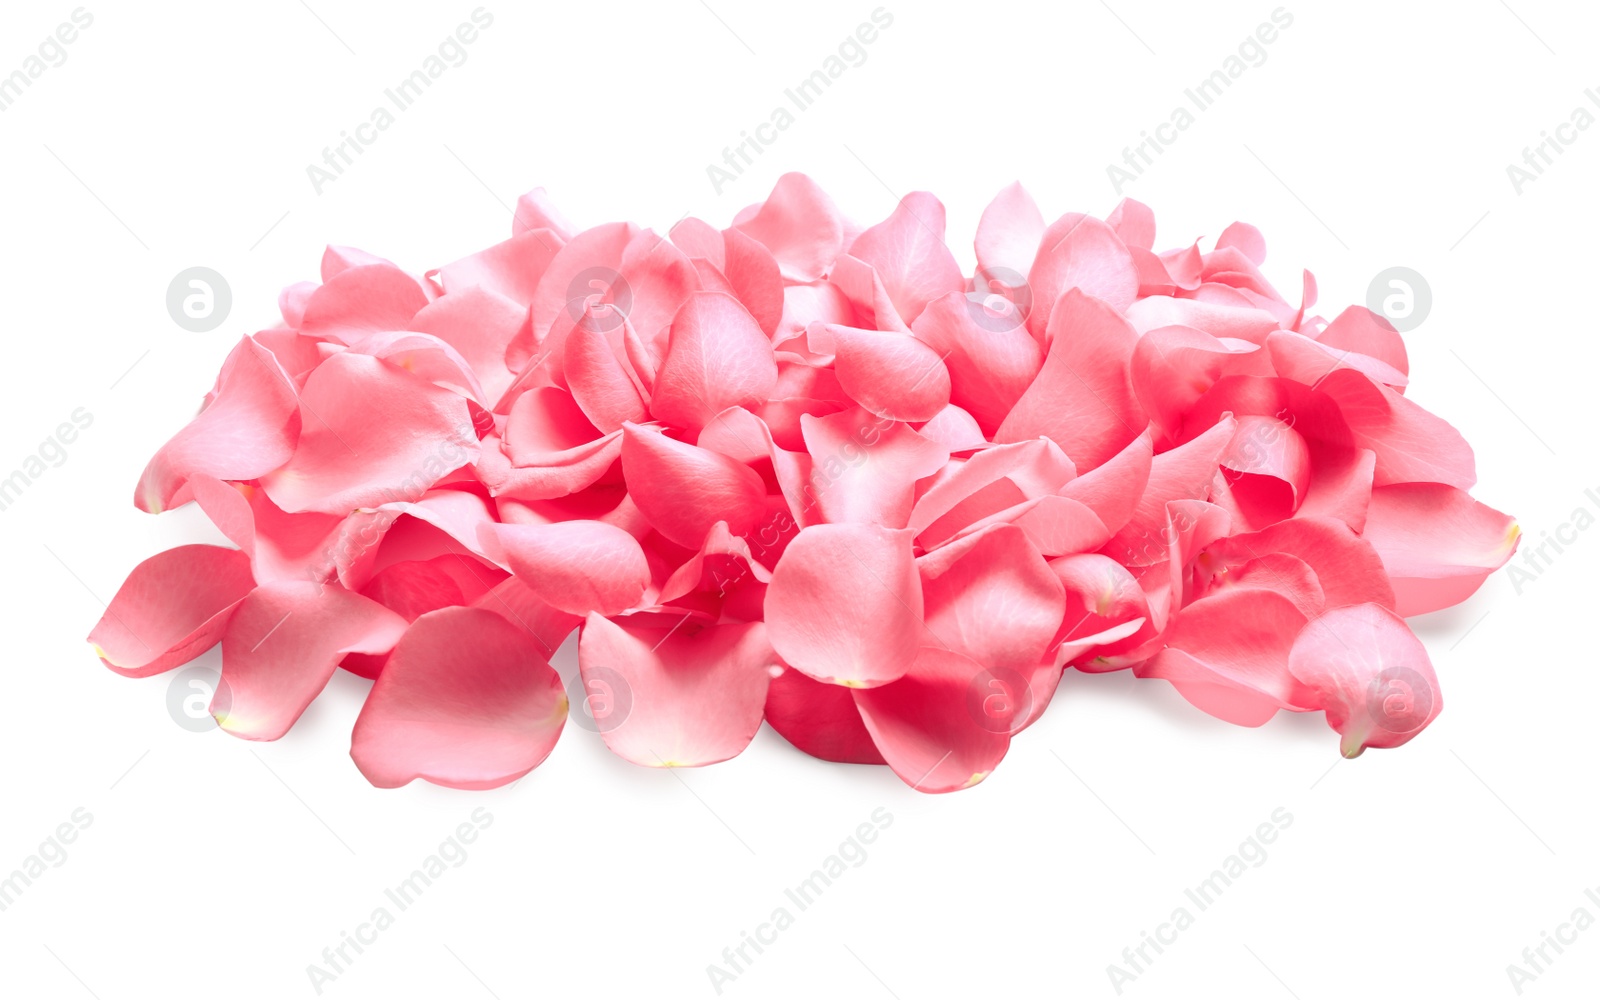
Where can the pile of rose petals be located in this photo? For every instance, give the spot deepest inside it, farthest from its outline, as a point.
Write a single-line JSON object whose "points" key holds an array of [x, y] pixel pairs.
{"points": [[801, 471]]}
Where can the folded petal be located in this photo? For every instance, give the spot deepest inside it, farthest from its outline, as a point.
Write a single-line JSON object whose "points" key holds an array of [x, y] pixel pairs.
{"points": [[171, 608], [1437, 544], [716, 357], [281, 648], [925, 726], [865, 469], [683, 490], [908, 251], [801, 225], [991, 597], [1083, 253], [893, 375]]}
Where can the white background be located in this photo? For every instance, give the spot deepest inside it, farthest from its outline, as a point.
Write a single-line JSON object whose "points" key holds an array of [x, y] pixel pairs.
{"points": [[1376, 134]]}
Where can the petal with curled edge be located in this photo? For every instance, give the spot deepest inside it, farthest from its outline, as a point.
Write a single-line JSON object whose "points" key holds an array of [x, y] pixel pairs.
{"points": [[679, 697], [908, 251], [281, 648], [465, 701], [1008, 234], [893, 375], [928, 727], [1369, 673], [845, 604], [1082, 253], [171, 608]]}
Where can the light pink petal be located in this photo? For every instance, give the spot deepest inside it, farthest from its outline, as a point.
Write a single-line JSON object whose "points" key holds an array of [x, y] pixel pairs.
{"points": [[683, 490], [281, 648], [575, 566], [955, 430], [512, 600], [599, 383], [991, 364], [929, 724], [908, 251], [685, 696], [753, 276], [587, 268], [248, 428], [716, 357], [801, 225], [1082, 399], [1008, 235], [535, 210], [510, 270], [281, 546], [1134, 223], [1306, 360], [1266, 468], [1363, 331], [1184, 473], [363, 300], [991, 597], [480, 325], [1245, 238], [1437, 544], [864, 469], [893, 375], [992, 480], [1363, 666], [171, 608], [864, 288], [371, 434], [1173, 366], [1348, 568], [1086, 255], [845, 604], [465, 701], [1225, 322]]}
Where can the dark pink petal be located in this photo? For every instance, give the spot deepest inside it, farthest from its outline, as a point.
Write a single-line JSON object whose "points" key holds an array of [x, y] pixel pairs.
{"points": [[801, 225], [248, 428], [694, 694], [845, 604], [371, 434], [683, 490], [575, 566], [926, 727], [908, 251], [991, 481], [991, 597], [1082, 399], [172, 608], [512, 600], [465, 701], [281, 648], [1184, 473], [716, 357], [1437, 544], [820, 719], [990, 364], [1363, 666], [1348, 568]]}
